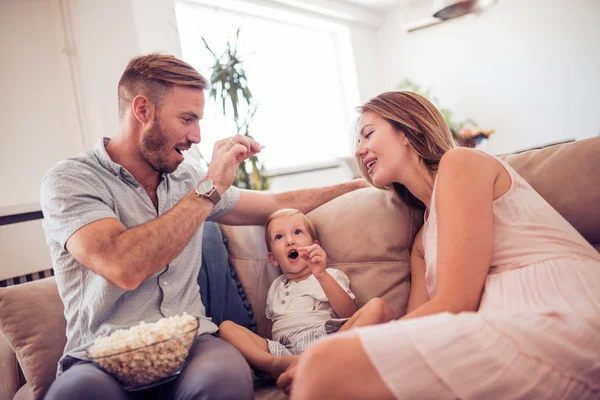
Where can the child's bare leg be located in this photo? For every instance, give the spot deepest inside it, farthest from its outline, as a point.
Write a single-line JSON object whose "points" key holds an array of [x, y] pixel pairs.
{"points": [[255, 349], [376, 311]]}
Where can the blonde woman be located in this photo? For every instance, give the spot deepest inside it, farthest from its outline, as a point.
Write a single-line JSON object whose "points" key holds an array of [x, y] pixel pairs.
{"points": [[505, 299]]}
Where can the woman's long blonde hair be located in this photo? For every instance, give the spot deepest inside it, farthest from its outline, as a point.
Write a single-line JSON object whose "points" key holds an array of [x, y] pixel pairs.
{"points": [[421, 123]]}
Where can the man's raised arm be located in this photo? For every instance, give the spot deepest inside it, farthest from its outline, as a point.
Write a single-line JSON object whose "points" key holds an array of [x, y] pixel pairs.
{"points": [[254, 207], [127, 257]]}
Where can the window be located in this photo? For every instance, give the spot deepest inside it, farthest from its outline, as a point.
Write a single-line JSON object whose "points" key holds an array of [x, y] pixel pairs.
{"points": [[300, 71]]}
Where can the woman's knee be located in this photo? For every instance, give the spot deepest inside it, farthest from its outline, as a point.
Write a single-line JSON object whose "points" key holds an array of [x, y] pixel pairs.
{"points": [[313, 367], [333, 360]]}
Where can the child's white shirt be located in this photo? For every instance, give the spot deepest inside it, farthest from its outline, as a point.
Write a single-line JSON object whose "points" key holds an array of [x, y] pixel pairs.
{"points": [[293, 305]]}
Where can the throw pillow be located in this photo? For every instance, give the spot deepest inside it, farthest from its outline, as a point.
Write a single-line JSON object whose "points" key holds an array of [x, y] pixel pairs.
{"points": [[31, 317]]}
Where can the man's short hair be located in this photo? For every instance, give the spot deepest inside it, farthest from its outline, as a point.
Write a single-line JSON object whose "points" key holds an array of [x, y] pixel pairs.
{"points": [[153, 75], [286, 212]]}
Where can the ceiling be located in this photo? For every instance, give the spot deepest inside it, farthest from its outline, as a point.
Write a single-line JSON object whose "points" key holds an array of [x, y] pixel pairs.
{"points": [[367, 12], [380, 5]]}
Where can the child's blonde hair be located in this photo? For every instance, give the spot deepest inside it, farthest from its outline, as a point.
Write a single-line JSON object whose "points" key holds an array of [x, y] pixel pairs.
{"points": [[287, 212]]}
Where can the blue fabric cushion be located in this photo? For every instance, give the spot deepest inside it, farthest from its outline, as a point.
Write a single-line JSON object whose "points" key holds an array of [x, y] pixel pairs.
{"points": [[220, 289]]}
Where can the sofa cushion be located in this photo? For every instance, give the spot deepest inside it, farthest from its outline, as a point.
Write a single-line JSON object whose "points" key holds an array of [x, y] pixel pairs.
{"points": [[31, 317], [9, 369], [366, 233], [566, 175]]}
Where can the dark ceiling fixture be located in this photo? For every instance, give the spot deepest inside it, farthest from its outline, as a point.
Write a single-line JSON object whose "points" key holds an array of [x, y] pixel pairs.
{"points": [[448, 9]]}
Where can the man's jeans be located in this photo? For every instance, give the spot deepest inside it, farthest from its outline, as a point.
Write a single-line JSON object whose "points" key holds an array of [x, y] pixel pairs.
{"points": [[222, 296], [215, 370]]}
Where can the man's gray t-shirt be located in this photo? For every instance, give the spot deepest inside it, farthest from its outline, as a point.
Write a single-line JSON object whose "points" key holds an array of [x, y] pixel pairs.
{"points": [[90, 187]]}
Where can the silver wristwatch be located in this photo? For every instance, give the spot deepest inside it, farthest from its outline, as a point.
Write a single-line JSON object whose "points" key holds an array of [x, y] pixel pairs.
{"points": [[207, 189]]}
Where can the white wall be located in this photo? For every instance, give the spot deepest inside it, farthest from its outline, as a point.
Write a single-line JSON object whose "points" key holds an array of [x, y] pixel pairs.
{"points": [[367, 58], [104, 39], [527, 68], [37, 109], [156, 26], [107, 34], [61, 63], [39, 123]]}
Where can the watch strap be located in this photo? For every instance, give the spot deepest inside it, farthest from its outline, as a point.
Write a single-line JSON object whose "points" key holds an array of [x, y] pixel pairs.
{"points": [[212, 194]]}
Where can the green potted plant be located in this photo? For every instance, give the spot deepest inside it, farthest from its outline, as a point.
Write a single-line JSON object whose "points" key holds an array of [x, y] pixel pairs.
{"points": [[466, 132], [229, 89]]}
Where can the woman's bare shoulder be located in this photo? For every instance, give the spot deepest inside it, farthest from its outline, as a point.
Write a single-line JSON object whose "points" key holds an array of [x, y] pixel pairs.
{"points": [[476, 167], [461, 156]]}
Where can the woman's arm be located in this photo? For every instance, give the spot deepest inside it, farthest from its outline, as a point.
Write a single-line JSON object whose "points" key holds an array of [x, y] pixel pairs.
{"points": [[418, 286], [464, 196]]}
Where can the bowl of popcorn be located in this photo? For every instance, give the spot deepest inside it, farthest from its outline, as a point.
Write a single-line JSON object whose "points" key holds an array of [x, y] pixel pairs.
{"points": [[148, 353]]}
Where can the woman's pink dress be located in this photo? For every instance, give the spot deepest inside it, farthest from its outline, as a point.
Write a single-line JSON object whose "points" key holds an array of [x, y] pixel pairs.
{"points": [[537, 332]]}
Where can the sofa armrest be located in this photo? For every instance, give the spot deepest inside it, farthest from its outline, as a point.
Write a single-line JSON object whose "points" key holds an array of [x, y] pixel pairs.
{"points": [[9, 370]]}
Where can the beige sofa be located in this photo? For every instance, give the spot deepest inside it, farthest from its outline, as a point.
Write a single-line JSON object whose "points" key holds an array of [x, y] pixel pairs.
{"points": [[366, 233]]}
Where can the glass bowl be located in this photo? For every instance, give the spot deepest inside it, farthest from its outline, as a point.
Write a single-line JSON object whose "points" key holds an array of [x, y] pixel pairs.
{"points": [[143, 366]]}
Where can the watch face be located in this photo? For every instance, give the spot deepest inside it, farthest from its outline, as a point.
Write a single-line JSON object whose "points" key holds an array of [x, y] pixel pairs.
{"points": [[204, 186]]}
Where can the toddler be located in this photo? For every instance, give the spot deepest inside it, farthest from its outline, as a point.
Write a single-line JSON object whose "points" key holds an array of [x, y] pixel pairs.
{"points": [[307, 302]]}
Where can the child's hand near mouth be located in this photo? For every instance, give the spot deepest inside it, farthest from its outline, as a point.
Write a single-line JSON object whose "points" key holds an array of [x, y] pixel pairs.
{"points": [[316, 257]]}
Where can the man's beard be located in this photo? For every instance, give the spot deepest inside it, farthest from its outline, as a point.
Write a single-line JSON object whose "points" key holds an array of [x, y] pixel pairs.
{"points": [[154, 148]]}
